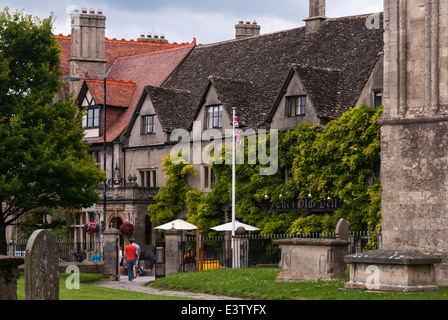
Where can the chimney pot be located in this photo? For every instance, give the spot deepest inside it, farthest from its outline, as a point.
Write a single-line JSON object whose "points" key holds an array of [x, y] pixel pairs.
{"points": [[317, 15], [100, 11], [92, 11], [84, 10], [248, 29]]}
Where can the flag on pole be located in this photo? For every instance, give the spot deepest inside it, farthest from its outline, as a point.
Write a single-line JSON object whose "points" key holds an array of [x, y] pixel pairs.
{"points": [[237, 129]]}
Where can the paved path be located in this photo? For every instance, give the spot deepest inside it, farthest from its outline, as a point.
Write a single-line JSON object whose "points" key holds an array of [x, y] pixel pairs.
{"points": [[138, 285]]}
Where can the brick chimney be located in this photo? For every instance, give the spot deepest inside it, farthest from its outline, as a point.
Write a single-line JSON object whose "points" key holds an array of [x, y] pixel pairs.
{"points": [[244, 30], [152, 38], [317, 15], [88, 45]]}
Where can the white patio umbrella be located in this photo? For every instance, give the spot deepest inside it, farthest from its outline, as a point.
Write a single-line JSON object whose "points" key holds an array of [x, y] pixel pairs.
{"points": [[228, 226], [178, 225]]}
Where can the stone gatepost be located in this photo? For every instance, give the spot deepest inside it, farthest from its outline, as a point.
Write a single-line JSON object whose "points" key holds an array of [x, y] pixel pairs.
{"points": [[172, 251], [41, 267], [111, 253], [9, 273]]}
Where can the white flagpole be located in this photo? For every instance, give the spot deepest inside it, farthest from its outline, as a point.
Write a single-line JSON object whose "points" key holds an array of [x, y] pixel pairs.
{"points": [[233, 189], [233, 175]]}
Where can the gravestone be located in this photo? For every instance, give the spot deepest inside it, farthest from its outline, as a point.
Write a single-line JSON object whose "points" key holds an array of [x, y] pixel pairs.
{"points": [[41, 267], [342, 230]]}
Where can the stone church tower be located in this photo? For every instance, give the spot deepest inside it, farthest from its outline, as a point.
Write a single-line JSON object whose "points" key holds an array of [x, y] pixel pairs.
{"points": [[414, 169]]}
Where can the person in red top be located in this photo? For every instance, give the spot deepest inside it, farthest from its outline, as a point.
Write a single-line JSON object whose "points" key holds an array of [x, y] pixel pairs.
{"points": [[130, 253]]}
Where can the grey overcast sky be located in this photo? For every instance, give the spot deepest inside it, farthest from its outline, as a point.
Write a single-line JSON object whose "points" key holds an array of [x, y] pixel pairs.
{"points": [[182, 20]]}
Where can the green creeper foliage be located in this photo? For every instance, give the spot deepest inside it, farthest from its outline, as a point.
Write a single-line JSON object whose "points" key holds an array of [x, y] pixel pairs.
{"points": [[339, 160], [43, 158], [336, 161], [172, 196]]}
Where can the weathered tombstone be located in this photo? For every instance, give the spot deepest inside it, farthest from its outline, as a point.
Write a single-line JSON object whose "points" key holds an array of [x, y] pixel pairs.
{"points": [[41, 267], [9, 274], [342, 230]]}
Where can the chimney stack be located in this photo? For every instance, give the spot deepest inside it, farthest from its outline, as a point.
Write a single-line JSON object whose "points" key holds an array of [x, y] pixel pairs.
{"points": [[317, 15], [152, 38], [244, 30], [87, 44]]}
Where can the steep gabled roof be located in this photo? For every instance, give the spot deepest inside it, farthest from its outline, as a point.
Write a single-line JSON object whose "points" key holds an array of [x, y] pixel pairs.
{"points": [[117, 49], [173, 107], [323, 89], [118, 93], [234, 93], [140, 70], [343, 44]]}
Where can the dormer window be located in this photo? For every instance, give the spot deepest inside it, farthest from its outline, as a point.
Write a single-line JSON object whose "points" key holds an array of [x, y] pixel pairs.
{"points": [[149, 124], [91, 118], [214, 117], [296, 105]]}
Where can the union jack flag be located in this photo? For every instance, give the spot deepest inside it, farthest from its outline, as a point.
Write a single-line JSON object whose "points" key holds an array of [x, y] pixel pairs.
{"points": [[237, 130]]}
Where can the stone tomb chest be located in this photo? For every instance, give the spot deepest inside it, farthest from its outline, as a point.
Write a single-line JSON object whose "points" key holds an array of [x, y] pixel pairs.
{"points": [[312, 259], [392, 271]]}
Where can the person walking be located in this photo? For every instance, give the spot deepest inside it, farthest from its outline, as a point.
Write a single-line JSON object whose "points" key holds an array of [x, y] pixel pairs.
{"points": [[137, 259], [130, 254]]}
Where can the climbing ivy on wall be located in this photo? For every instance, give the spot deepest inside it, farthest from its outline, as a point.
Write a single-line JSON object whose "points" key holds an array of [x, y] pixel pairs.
{"points": [[338, 161], [171, 197]]}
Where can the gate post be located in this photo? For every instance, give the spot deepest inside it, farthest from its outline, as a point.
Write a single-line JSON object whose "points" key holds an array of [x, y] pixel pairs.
{"points": [[111, 263], [199, 250], [172, 251]]}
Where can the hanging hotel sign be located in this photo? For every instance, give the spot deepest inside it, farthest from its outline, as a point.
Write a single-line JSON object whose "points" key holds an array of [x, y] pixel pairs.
{"points": [[306, 206]]}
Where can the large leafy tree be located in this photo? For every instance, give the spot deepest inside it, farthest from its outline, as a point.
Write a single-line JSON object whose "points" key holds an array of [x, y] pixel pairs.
{"points": [[43, 158]]}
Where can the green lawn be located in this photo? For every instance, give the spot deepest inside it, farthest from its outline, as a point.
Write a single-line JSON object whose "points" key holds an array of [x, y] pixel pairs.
{"points": [[257, 284], [91, 292], [260, 284]]}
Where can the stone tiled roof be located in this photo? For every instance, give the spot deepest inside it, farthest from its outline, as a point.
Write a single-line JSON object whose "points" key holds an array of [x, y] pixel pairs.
{"points": [[323, 86], [342, 51], [174, 108], [238, 94]]}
